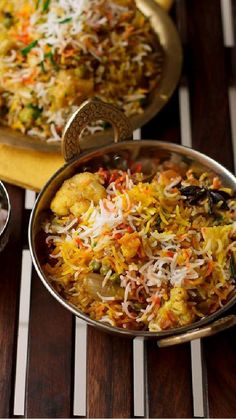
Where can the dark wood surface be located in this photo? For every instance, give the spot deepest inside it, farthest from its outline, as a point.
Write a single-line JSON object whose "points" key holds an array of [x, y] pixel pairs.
{"points": [[10, 262], [207, 78], [109, 376], [209, 69], [169, 379], [49, 389]]}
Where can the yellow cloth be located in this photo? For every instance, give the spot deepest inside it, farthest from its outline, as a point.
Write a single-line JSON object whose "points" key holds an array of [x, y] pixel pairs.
{"points": [[26, 168], [32, 169]]}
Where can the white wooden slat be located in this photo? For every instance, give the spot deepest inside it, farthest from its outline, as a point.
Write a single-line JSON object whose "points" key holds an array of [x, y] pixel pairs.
{"points": [[137, 134], [139, 377], [22, 339], [185, 120], [30, 197], [197, 379], [23, 326], [196, 354], [80, 368], [227, 22]]}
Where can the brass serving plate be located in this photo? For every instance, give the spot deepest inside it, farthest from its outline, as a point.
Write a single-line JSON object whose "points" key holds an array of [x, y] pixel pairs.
{"points": [[169, 38]]}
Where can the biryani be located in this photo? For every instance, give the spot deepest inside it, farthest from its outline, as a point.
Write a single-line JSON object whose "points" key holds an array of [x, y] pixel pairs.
{"points": [[143, 252], [54, 54]]}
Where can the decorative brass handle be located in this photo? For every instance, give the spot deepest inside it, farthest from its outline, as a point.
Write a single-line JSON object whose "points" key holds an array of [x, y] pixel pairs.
{"points": [[91, 111], [215, 327]]}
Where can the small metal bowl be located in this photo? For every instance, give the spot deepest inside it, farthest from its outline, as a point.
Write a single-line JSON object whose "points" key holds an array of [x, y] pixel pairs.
{"points": [[148, 153], [4, 205]]}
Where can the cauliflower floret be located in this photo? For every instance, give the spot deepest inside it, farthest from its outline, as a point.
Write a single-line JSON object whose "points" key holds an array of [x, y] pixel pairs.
{"points": [[76, 194], [174, 312]]}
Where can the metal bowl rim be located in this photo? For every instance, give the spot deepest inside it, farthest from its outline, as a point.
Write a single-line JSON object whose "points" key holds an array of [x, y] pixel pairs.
{"points": [[6, 195]]}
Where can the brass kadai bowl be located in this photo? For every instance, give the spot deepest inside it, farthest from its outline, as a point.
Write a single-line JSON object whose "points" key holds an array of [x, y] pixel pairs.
{"points": [[113, 156]]}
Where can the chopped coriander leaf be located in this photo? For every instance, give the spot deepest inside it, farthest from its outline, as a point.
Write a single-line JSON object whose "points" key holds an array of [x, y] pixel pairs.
{"points": [[36, 110], [25, 51], [51, 58], [68, 19], [46, 5], [42, 66]]}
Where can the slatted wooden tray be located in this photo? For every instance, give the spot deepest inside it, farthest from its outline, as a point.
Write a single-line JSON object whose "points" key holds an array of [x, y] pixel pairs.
{"points": [[52, 365]]}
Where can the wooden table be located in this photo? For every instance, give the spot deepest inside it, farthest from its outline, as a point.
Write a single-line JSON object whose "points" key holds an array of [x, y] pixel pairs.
{"points": [[127, 378]]}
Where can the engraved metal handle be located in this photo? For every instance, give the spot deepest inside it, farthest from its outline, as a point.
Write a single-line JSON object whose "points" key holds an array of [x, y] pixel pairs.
{"points": [[215, 327], [91, 111]]}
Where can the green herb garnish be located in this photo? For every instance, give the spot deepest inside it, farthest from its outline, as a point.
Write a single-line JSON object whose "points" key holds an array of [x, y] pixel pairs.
{"points": [[46, 5], [42, 66], [158, 221], [29, 47], [68, 19], [51, 58], [36, 110]]}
